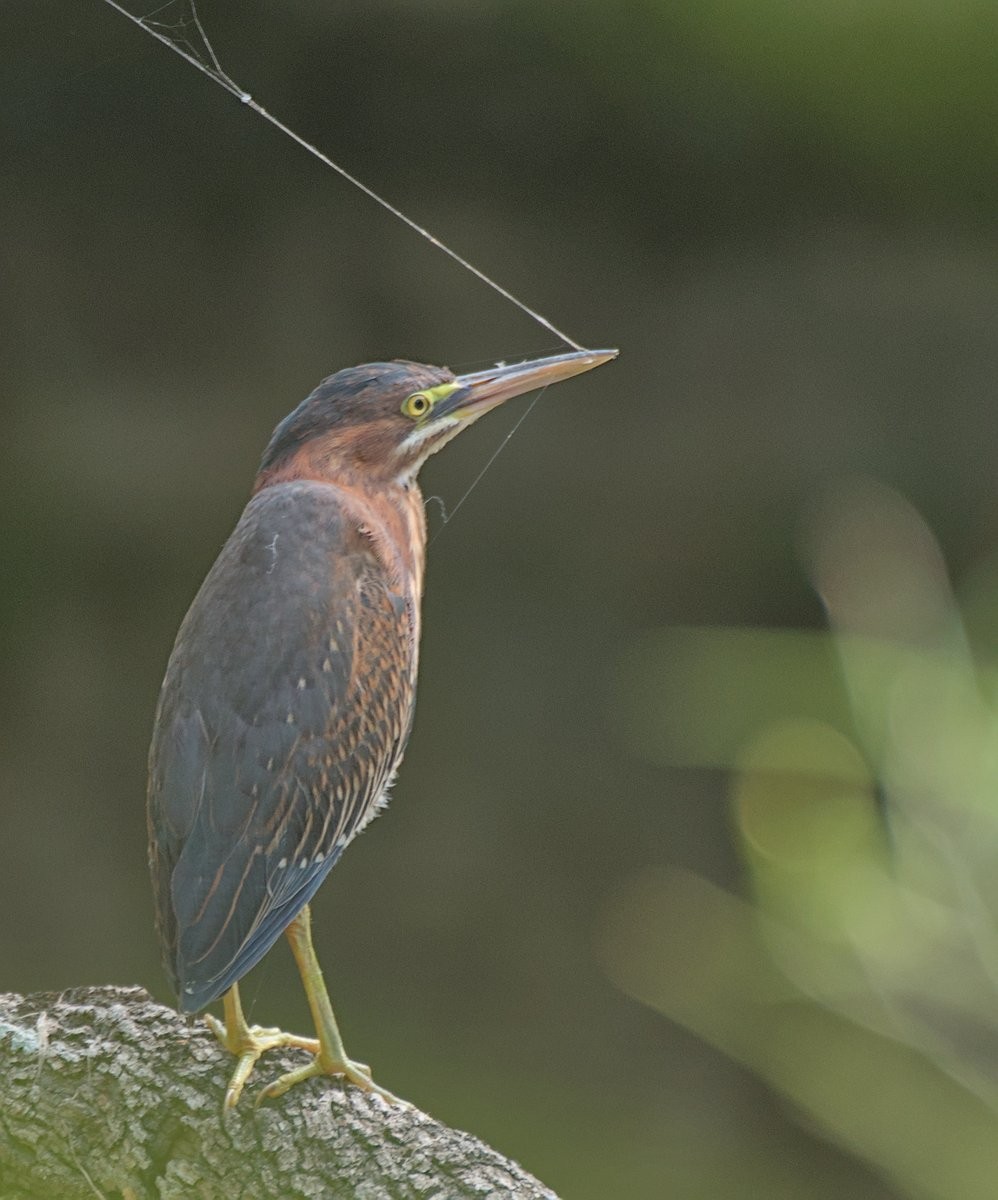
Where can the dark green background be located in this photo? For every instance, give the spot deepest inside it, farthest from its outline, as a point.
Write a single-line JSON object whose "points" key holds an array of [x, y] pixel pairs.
{"points": [[782, 213]]}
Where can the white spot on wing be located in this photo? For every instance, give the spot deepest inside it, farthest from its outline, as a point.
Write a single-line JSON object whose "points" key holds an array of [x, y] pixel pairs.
{"points": [[272, 547]]}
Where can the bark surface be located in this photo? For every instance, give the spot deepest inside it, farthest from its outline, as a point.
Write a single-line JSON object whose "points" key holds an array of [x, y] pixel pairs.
{"points": [[106, 1093]]}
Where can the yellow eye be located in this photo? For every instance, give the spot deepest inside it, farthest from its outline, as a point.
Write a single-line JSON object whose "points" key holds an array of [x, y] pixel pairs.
{"points": [[417, 405]]}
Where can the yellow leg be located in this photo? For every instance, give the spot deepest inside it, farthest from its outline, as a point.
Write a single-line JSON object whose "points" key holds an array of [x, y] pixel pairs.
{"points": [[330, 1056], [248, 1042]]}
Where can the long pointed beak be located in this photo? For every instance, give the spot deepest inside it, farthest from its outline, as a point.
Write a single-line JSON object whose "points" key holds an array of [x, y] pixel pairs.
{"points": [[484, 390]]}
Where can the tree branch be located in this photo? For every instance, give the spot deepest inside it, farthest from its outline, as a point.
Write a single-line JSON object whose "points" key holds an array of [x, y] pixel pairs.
{"points": [[108, 1094]]}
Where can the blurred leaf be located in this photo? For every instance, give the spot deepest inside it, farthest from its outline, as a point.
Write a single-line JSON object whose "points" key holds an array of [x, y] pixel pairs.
{"points": [[695, 696]]}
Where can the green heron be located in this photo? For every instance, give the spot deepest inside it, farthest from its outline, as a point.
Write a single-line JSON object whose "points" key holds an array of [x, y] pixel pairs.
{"points": [[288, 697]]}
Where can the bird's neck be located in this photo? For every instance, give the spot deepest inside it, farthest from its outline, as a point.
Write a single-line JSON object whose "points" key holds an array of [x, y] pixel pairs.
{"points": [[392, 517]]}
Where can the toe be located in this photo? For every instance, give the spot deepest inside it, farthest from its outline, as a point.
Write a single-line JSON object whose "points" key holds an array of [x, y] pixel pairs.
{"points": [[281, 1085], [242, 1072]]}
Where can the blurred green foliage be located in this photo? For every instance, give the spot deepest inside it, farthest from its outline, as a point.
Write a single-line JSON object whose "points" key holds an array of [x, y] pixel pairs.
{"points": [[861, 981], [783, 213]]}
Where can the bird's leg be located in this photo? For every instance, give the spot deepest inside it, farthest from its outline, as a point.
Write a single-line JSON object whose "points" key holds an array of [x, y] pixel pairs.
{"points": [[247, 1042], [331, 1057]]}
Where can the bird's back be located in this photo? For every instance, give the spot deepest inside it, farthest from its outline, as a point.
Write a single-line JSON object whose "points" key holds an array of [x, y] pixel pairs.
{"points": [[286, 706]]}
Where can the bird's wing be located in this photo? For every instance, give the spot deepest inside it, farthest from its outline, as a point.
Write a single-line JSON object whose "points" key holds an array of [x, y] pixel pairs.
{"points": [[284, 711]]}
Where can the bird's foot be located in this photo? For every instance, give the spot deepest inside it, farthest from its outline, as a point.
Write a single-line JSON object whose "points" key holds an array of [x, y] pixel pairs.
{"points": [[354, 1072], [247, 1043]]}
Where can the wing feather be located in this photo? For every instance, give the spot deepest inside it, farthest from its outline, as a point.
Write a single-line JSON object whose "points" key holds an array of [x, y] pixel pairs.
{"points": [[285, 708]]}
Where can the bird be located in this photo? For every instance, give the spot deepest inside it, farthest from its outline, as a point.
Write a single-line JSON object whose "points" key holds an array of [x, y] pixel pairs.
{"points": [[288, 696]]}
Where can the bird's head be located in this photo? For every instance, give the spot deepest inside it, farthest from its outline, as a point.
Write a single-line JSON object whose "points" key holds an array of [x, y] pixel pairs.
{"points": [[381, 421]]}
